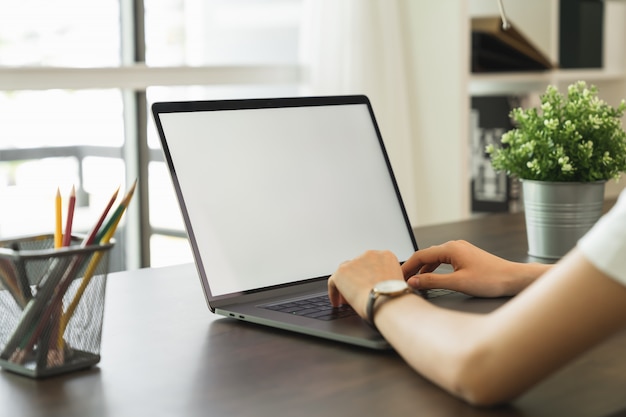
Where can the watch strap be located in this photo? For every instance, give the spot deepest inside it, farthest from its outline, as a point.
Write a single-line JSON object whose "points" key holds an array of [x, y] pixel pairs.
{"points": [[371, 302]]}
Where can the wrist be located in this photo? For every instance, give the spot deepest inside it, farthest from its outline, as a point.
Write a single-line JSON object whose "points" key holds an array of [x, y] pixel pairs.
{"points": [[384, 292], [524, 274]]}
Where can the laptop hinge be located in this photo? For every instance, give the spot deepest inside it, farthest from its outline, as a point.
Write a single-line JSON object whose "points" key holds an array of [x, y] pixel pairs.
{"points": [[279, 293]]}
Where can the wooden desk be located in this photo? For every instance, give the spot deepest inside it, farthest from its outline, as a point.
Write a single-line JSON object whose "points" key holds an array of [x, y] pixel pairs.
{"points": [[164, 354]]}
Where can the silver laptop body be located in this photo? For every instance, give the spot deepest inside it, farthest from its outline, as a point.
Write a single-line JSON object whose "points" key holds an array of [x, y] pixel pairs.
{"points": [[275, 194]]}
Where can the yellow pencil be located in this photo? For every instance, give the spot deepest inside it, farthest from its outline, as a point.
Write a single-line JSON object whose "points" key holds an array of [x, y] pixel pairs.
{"points": [[58, 233]]}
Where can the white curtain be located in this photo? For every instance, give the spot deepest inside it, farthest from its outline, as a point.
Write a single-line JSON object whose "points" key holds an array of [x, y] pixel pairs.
{"points": [[360, 47]]}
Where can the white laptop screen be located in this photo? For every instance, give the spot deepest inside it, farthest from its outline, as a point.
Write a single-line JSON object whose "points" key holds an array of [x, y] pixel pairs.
{"points": [[278, 195]]}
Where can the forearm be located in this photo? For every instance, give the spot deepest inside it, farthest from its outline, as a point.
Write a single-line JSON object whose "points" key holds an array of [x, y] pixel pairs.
{"points": [[437, 343], [463, 353], [493, 358]]}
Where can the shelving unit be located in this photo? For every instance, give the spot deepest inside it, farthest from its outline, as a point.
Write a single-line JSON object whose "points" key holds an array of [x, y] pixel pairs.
{"points": [[610, 79], [440, 49]]}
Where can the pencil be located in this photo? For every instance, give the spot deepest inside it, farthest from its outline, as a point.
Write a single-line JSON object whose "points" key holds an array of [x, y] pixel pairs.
{"points": [[21, 274], [9, 280], [89, 272], [57, 280], [55, 323], [67, 236], [33, 309], [92, 235], [58, 233], [117, 214]]}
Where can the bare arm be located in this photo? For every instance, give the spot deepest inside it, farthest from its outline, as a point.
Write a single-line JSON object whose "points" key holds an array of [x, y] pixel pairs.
{"points": [[491, 358], [476, 272]]}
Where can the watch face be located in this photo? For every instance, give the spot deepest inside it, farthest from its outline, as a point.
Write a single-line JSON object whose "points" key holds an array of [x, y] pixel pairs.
{"points": [[391, 286]]}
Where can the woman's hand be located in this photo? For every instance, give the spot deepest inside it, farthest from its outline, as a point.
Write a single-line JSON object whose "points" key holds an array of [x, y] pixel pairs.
{"points": [[476, 272], [353, 280]]}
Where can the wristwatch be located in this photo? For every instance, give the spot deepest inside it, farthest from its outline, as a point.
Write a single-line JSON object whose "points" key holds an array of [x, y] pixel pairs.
{"points": [[390, 288]]}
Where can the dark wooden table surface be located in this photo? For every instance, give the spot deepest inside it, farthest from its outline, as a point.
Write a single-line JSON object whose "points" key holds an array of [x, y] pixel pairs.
{"points": [[165, 354]]}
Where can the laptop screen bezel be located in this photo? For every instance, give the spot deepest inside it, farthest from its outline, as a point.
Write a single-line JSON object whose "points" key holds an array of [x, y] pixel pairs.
{"points": [[159, 108]]}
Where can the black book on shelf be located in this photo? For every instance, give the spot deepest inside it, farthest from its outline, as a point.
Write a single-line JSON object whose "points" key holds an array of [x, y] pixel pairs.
{"points": [[495, 49], [491, 191], [581, 33]]}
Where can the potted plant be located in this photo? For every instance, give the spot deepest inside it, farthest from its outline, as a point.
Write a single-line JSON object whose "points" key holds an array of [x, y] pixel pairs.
{"points": [[563, 153]]}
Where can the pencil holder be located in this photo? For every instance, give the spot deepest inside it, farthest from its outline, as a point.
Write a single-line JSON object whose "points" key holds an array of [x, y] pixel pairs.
{"points": [[51, 305]]}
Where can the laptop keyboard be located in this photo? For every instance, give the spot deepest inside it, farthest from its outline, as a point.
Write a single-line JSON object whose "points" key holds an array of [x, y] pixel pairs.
{"points": [[318, 307]]}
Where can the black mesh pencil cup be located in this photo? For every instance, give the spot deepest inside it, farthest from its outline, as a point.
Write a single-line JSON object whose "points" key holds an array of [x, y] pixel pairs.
{"points": [[51, 305]]}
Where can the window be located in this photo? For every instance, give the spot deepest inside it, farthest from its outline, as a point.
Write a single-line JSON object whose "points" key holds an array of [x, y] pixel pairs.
{"points": [[76, 81], [62, 33]]}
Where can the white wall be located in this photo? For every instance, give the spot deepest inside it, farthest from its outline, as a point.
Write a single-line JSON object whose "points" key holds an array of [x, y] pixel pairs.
{"points": [[439, 45]]}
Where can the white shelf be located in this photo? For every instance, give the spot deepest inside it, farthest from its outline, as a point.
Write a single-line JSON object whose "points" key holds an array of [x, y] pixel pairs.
{"points": [[589, 75], [520, 82], [508, 83]]}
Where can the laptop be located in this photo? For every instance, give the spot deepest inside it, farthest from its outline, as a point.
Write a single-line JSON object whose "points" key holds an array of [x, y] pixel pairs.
{"points": [[275, 194]]}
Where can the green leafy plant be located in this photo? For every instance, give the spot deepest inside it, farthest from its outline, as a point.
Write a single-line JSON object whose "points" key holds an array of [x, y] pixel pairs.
{"points": [[577, 137]]}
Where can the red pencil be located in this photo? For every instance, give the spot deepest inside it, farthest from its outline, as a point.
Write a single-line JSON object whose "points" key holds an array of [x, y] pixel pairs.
{"points": [[92, 235], [67, 236]]}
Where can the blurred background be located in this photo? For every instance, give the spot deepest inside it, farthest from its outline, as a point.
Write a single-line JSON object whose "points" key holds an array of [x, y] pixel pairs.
{"points": [[77, 78]]}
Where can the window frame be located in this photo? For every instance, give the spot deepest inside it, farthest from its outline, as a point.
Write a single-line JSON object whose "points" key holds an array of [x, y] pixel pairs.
{"points": [[133, 78]]}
